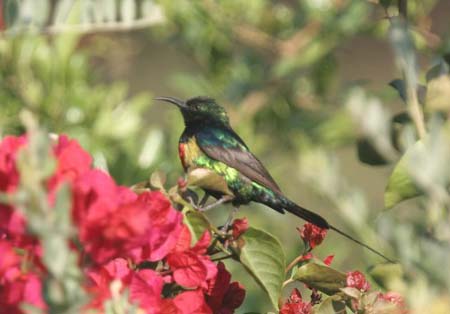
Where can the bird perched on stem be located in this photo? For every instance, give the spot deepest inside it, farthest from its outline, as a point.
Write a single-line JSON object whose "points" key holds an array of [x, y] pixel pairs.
{"points": [[210, 146]]}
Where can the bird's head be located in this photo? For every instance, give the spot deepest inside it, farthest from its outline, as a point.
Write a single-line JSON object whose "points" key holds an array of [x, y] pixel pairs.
{"points": [[199, 110]]}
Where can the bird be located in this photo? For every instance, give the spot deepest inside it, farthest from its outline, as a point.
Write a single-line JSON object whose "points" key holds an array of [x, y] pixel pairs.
{"points": [[209, 145]]}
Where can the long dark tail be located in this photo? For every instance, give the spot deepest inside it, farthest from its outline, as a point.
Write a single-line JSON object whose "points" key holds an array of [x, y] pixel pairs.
{"points": [[293, 208]]}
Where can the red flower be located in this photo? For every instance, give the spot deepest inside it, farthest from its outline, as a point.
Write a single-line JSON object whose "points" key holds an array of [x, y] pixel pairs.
{"points": [[356, 279], [145, 285], [191, 267], [295, 304], [164, 229], [101, 278], [188, 302], [239, 226], [145, 289], [107, 229], [17, 288], [312, 235], [8, 258], [72, 161], [12, 223], [115, 222], [222, 296], [9, 175]]}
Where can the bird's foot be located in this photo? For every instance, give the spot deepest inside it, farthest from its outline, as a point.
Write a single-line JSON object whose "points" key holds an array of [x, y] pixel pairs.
{"points": [[221, 200]]}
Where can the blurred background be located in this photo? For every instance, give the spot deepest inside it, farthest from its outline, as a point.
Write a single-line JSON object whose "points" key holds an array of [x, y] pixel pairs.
{"points": [[306, 85]]}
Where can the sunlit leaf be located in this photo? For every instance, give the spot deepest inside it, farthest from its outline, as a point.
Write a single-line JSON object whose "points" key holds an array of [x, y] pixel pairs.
{"points": [[263, 257], [157, 180], [323, 278], [400, 185]]}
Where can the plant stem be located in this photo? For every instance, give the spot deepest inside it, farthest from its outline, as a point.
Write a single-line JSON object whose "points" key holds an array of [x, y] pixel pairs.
{"points": [[415, 111], [221, 258], [293, 263], [286, 282]]}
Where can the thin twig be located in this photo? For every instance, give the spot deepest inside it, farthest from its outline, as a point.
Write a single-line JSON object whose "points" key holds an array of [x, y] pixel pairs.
{"points": [[294, 262], [286, 282], [222, 258]]}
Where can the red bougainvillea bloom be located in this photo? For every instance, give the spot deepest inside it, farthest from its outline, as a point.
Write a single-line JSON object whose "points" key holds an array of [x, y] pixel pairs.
{"points": [[8, 257], [113, 221], [100, 279], [117, 229], [165, 226], [9, 176], [239, 226], [312, 235], [295, 304], [191, 267], [72, 161], [355, 279], [145, 285], [16, 285], [107, 228], [145, 289], [17, 288], [222, 296], [188, 302]]}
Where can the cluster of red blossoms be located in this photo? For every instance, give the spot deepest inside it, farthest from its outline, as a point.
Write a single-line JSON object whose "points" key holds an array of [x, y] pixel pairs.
{"points": [[313, 236], [117, 230]]}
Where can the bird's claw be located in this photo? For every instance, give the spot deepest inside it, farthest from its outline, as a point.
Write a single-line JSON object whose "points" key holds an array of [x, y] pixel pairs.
{"points": [[194, 205]]}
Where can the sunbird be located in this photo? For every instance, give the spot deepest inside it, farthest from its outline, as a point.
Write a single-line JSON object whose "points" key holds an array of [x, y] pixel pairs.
{"points": [[235, 174]]}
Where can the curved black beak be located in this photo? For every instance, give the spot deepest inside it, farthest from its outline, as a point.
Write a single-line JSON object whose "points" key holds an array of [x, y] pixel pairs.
{"points": [[178, 102]]}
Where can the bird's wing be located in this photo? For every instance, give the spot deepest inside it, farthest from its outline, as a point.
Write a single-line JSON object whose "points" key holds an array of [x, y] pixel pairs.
{"points": [[226, 146]]}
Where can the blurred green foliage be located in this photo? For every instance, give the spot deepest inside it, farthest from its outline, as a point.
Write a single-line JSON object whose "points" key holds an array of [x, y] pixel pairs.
{"points": [[49, 77], [274, 65]]}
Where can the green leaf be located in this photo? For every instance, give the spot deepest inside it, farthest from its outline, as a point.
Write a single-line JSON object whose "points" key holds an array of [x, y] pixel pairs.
{"points": [[331, 305], [263, 257], [197, 223], [400, 185], [321, 277], [157, 180]]}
